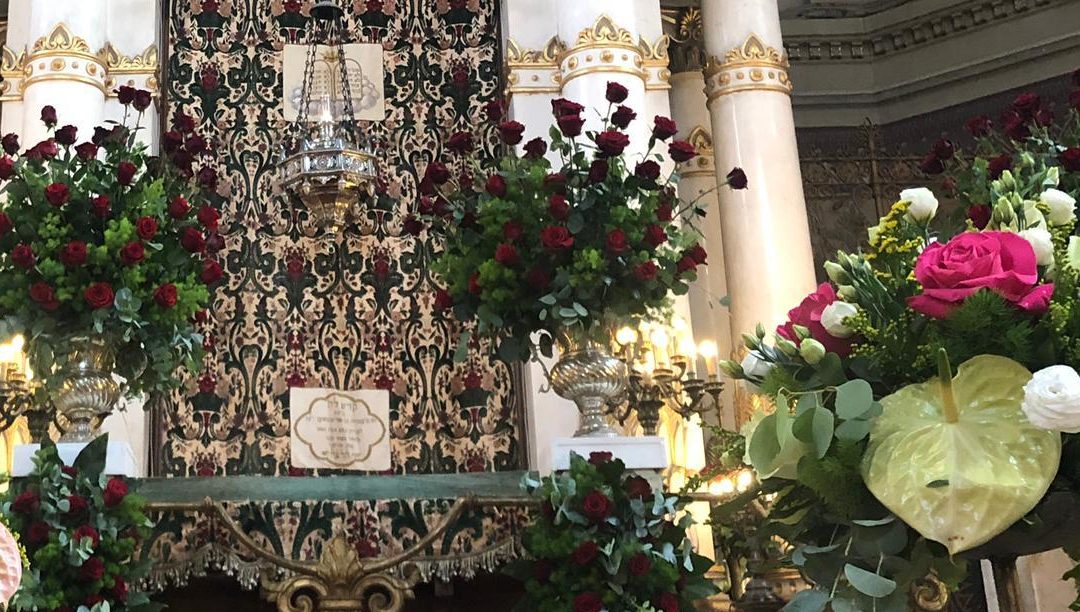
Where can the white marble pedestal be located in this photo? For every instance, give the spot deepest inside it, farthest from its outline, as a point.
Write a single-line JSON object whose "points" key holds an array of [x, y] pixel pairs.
{"points": [[638, 453], [119, 458]]}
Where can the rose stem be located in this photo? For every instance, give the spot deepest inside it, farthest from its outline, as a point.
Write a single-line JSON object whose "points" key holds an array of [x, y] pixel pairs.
{"points": [[945, 379]]}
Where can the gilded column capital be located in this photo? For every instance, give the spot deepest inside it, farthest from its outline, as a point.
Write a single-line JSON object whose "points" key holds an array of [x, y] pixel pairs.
{"points": [[753, 66], [703, 164], [533, 70], [687, 39], [604, 47]]}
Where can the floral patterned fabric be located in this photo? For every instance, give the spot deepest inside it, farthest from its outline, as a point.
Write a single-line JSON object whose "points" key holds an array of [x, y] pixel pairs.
{"points": [[298, 308]]}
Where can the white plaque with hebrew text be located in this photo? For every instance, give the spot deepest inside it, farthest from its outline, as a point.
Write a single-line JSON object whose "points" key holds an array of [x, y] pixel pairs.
{"points": [[340, 430], [365, 67]]}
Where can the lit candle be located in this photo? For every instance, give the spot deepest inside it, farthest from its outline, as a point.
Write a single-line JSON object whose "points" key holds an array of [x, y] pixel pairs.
{"points": [[660, 343], [707, 349], [626, 337], [688, 349]]}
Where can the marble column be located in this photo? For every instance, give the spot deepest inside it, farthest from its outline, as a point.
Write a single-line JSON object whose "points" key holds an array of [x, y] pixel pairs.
{"points": [[766, 238]]}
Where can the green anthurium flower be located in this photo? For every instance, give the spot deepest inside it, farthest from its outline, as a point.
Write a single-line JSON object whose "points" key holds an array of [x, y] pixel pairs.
{"points": [[959, 461]]}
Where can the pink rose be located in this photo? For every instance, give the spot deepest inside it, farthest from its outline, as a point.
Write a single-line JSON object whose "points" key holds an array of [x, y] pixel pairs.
{"points": [[808, 314], [1002, 262]]}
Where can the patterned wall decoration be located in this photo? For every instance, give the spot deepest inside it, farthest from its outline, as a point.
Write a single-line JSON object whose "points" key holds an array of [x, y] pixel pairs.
{"points": [[297, 308]]}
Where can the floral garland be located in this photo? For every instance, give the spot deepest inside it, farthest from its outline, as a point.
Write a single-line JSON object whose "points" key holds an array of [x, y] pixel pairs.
{"points": [[81, 529], [605, 541]]}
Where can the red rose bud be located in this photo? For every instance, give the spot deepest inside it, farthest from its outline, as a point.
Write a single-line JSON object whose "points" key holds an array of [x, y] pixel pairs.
{"points": [[57, 194], [664, 212], [437, 173], [77, 505], [1026, 104], [496, 186], [67, 135], [171, 141], [474, 284], [119, 589], [588, 602], [612, 143], [214, 243], [48, 116], [44, 296], [931, 165], [37, 533], [100, 206], [585, 553], [979, 214], [92, 569], [212, 272], [639, 565], [195, 145], [555, 182], [556, 238], [978, 126], [209, 216], [506, 255], [663, 128], [5, 224], [132, 253], [10, 144], [570, 125], [73, 254], [647, 170], [623, 116], [184, 123], [998, 165], [179, 208], [27, 502], [538, 278], [165, 295], [562, 107], [494, 111], [86, 151], [23, 256], [511, 132], [736, 179], [412, 226], [86, 531], [47, 149], [646, 271], [655, 236], [535, 148], [596, 506], [125, 173], [468, 219], [944, 149], [208, 178], [7, 168], [443, 300], [1015, 126], [99, 295], [193, 240], [667, 602], [512, 231], [146, 227], [460, 143], [686, 264], [682, 151], [115, 491], [637, 488], [1070, 159], [616, 242], [698, 254], [125, 94], [598, 171], [558, 207], [616, 92]]}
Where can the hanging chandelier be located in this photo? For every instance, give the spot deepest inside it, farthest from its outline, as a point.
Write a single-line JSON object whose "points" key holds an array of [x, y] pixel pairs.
{"points": [[329, 165]]}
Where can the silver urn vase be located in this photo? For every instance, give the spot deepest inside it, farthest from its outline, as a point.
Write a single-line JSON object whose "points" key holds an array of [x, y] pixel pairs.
{"points": [[85, 388], [590, 376]]}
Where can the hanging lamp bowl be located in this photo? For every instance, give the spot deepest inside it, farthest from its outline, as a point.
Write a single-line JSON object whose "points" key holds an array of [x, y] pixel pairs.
{"points": [[329, 176], [326, 10]]}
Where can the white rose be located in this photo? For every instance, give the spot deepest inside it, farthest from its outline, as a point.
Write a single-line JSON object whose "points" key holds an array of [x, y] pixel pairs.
{"points": [[1040, 240], [1062, 206], [1052, 399], [832, 318], [755, 367], [922, 205]]}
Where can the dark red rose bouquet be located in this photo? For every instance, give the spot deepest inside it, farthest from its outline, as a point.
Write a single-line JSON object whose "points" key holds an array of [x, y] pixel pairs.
{"points": [[102, 239], [574, 234], [605, 540], [81, 531]]}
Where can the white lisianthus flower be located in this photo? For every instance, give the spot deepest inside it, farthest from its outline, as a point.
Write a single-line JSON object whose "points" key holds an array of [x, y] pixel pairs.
{"points": [[1042, 242], [1062, 206], [1052, 399], [832, 318], [755, 367], [922, 205]]}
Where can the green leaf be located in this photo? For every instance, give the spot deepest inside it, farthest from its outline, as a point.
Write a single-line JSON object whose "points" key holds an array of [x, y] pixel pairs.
{"points": [[815, 427], [764, 445], [844, 605], [934, 484], [811, 600], [874, 523], [853, 430], [580, 309], [853, 399], [575, 223], [548, 299], [867, 582], [91, 460], [461, 353]]}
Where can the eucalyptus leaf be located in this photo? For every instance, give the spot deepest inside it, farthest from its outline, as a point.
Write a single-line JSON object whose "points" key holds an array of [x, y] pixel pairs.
{"points": [[810, 600], [867, 582], [853, 399]]}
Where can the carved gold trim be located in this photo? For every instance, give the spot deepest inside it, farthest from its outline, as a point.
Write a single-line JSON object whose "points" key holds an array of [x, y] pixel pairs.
{"points": [[702, 165], [62, 42], [143, 63], [62, 76], [655, 54], [637, 72], [12, 63], [517, 57], [604, 33], [751, 66]]}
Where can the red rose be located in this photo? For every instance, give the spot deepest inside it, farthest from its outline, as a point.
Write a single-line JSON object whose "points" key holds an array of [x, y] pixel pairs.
{"points": [[588, 602], [511, 132], [57, 194], [664, 212], [208, 177], [92, 569], [598, 171], [37, 533], [682, 151], [179, 208], [998, 165], [443, 300], [639, 565], [667, 602], [931, 165], [165, 295], [944, 149], [555, 183], [512, 231], [637, 488], [979, 214], [596, 506], [1070, 159], [655, 236], [44, 295], [125, 173], [99, 295], [562, 107], [539, 279], [612, 143], [70, 470], [146, 227], [193, 240], [73, 254], [7, 168], [496, 186], [556, 238], [1014, 125], [535, 148], [494, 110], [978, 126], [171, 141], [27, 502], [585, 553], [616, 92], [132, 253], [437, 173], [558, 207], [474, 284], [212, 272], [115, 491], [1026, 104], [23, 256], [86, 151], [616, 242], [623, 116], [195, 144], [1044, 117], [48, 116], [647, 170], [119, 589], [460, 143], [67, 135], [570, 125], [663, 128], [600, 457], [506, 254], [46, 149], [412, 226], [808, 315], [209, 217], [125, 94], [646, 271], [5, 224], [10, 143], [77, 505], [101, 205], [93, 600], [86, 531], [698, 254], [686, 264]]}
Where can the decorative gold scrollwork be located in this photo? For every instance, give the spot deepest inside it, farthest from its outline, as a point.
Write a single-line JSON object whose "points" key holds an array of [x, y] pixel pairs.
{"points": [[604, 32], [929, 594], [751, 66]]}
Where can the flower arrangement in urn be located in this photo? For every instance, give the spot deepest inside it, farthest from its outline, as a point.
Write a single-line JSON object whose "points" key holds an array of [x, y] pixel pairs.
{"points": [[606, 541], [569, 240], [888, 463], [81, 529], [105, 260]]}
